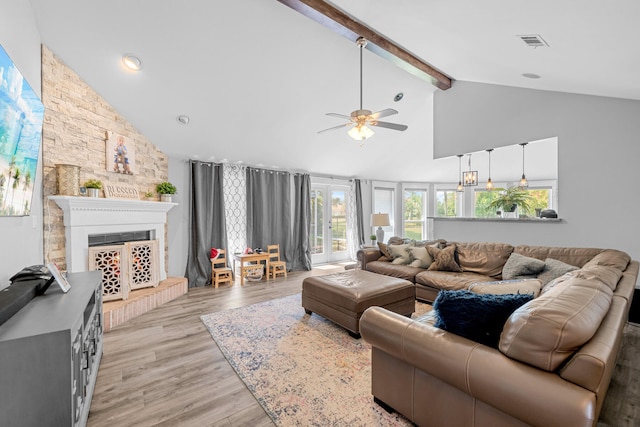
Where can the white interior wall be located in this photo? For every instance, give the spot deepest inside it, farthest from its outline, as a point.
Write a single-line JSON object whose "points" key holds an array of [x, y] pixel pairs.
{"points": [[598, 152], [22, 237], [178, 219]]}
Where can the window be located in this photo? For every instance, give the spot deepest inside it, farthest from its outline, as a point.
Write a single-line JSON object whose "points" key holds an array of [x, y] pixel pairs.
{"points": [[447, 203], [482, 200], [383, 203], [542, 198], [415, 214]]}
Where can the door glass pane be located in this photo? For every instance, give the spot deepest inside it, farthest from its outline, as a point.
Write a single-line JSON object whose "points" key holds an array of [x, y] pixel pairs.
{"points": [[317, 222], [338, 222], [414, 214]]}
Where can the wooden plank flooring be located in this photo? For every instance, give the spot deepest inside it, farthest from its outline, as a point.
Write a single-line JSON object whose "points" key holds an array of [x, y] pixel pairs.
{"points": [[163, 369]]}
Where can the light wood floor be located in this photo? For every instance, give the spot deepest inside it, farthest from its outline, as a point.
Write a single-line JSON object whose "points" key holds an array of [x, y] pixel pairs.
{"points": [[163, 368]]}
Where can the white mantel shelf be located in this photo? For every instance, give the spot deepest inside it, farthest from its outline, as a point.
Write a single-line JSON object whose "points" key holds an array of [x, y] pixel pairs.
{"points": [[78, 206], [85, 216]]}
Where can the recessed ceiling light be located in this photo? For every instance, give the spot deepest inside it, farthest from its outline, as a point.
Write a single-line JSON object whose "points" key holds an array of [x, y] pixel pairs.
{"points": [[398, 97], [183, 120], [132, 62], [531, 76]]}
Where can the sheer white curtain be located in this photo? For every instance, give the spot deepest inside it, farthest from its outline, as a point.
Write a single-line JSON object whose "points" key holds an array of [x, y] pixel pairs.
{"points": [[235, 203]]}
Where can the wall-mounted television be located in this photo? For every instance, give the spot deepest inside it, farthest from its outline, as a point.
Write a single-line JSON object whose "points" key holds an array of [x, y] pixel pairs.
{"points": [[21, 117]]}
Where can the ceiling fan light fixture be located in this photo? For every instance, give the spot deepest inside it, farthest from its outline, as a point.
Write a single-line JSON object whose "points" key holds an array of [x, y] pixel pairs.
{"points": [[360, 133], [358, 119]]}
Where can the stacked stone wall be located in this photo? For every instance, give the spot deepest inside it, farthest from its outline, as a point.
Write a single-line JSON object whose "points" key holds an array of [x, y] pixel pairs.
{"points": [[76, 122]]}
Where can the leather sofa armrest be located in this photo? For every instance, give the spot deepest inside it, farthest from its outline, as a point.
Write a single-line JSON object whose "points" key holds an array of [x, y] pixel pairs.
{"points": [[366, 255], [527, 393]]}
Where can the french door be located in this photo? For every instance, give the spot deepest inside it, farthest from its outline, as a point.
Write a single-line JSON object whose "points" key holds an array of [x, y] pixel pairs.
{"points": [[329, 223]]}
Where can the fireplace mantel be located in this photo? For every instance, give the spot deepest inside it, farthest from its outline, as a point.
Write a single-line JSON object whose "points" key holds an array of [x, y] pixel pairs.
{"points": [[85, 216]]}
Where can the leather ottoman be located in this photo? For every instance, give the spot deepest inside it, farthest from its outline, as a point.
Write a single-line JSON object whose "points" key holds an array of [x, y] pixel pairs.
{"points": [[343, 297]]}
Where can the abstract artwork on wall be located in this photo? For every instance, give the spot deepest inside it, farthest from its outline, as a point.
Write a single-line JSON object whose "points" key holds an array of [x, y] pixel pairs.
{"points": [[21, 116], [121, 155]]}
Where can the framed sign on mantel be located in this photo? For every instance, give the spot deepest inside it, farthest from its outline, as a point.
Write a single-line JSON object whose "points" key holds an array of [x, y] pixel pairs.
{"points": [[119, 190]]}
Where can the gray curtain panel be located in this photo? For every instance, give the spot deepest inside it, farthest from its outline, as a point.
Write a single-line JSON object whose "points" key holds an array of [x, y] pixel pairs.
{"points": [[359, 214], [301, 222], [206, 220], [269, 211]]}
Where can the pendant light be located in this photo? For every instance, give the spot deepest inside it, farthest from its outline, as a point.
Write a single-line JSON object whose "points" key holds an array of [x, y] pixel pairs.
{"points": [[460, 188], [523, 181], [470, 178], [489, 186]]}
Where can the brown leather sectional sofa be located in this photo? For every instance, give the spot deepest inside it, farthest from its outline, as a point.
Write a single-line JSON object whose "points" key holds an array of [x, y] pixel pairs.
{"points": [[555, 357]]}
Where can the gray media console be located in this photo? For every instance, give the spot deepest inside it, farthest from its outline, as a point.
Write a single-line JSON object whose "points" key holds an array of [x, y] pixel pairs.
{"points": [[49, 356]]}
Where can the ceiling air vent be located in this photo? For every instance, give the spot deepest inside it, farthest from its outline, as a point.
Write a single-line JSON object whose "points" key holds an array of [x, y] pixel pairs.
{"points": [[534, 40]]}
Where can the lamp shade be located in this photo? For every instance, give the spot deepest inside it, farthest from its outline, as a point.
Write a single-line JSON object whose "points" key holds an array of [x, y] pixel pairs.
{"points": [[380, 220]]}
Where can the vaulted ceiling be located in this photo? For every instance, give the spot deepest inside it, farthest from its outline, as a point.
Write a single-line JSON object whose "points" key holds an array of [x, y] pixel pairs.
{"points": [[256, 77]]}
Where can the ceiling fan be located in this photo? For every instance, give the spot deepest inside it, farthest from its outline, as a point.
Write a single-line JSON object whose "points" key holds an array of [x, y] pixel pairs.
{"points": [[359, 119]]}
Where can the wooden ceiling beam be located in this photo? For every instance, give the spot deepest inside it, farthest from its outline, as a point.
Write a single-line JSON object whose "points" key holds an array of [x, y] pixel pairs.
{"points": [[343, 24]]}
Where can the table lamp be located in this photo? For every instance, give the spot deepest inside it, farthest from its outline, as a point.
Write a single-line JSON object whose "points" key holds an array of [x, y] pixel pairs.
{"points": [[380, 220]]}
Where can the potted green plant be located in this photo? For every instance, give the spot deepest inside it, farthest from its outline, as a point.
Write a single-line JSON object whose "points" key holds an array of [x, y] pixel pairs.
{"points": [[166, 191], [93, 187], [510, 199], [373, 238], [149, 195]]}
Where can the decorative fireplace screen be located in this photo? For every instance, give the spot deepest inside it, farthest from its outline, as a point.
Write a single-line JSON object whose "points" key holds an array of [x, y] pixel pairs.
{"points": [[132, 265]]}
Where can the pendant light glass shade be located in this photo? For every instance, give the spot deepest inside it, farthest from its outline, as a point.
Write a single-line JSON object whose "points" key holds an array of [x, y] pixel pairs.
{"points": [[489, 185], [523, 181], [460, 188]]}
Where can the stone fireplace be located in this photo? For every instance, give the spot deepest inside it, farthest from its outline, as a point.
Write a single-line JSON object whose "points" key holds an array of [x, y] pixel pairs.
{"points": [[88, 219]]}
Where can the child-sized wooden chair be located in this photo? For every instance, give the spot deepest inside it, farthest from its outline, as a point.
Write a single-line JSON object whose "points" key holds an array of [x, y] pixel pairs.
{"points": [[275, 265], [220, 273]]}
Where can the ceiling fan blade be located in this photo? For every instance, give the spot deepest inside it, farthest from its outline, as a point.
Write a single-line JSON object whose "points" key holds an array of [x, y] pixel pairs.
{"points": [[335, 127], [388, 125], [384, 113], [341, 116]]}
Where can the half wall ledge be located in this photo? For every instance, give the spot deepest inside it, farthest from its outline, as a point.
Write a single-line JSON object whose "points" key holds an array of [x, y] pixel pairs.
{"points": [[463, 218]]}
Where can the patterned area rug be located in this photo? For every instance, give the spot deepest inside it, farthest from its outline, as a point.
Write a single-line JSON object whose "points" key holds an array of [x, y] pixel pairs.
{"points": [[304, 370]]}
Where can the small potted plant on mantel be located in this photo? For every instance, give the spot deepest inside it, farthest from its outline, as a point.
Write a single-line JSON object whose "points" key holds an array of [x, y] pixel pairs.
{"points": [[166, 191], [93, 187]]}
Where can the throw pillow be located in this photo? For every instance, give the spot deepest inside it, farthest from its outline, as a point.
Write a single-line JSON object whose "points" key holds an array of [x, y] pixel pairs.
{"points": [[400, 254], [421, 257], [444, 259], [554, 269], [520, 265], [384, 249], [478, 317], [530, 286]]}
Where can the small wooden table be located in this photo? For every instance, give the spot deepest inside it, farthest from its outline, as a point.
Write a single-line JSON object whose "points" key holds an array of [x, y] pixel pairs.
{"points": [[249, 258]]}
